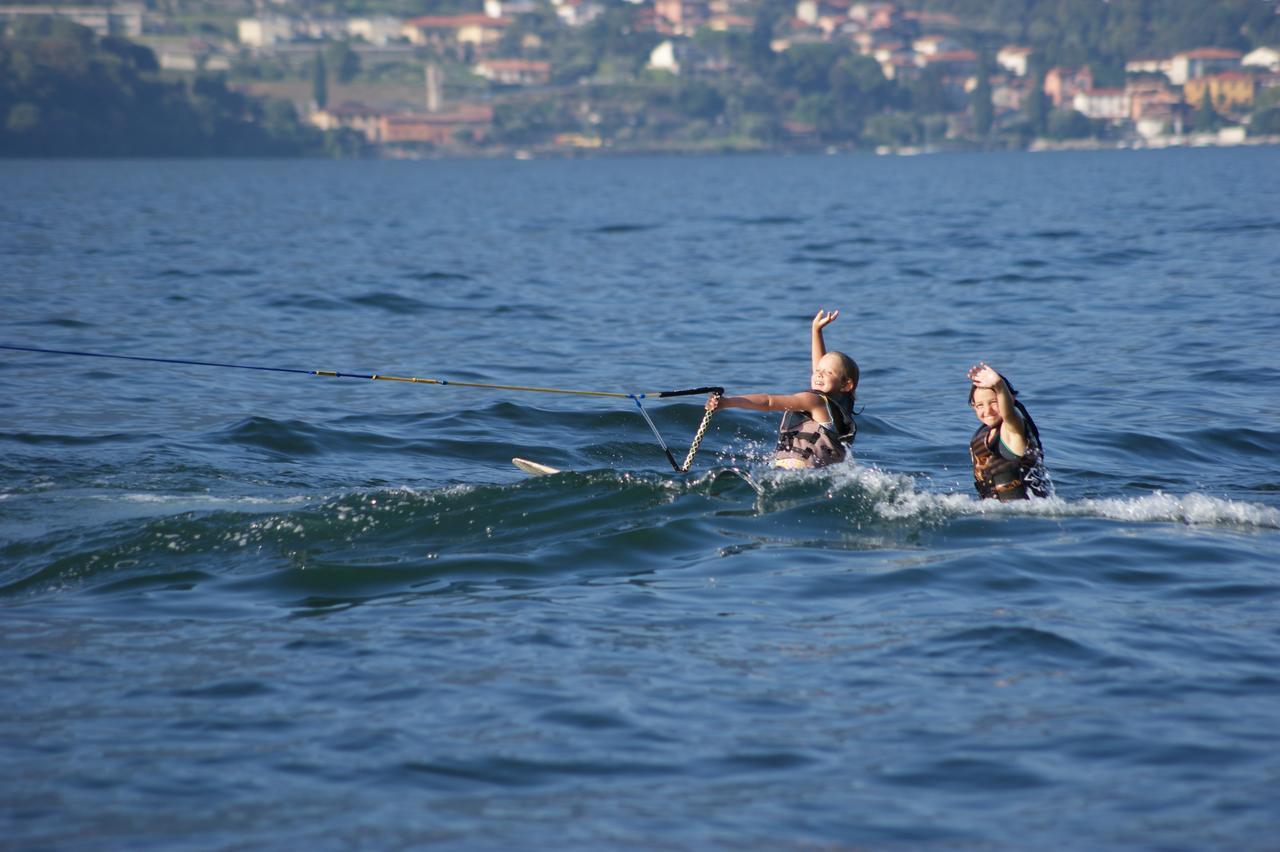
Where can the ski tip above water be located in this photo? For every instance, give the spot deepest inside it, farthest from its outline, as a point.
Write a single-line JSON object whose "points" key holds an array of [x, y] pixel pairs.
{"points": [[534, 468]]}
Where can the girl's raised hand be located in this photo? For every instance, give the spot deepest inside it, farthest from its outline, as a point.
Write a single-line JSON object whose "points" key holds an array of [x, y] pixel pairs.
{"points": [[822, 319], [983, 376]]}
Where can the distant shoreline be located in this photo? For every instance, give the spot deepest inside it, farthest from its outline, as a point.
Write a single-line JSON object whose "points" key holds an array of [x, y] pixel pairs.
{"points": [[560, 153]]}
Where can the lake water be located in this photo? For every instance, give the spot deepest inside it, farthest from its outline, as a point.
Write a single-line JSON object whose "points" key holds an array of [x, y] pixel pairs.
{"points": [[248, 609]]}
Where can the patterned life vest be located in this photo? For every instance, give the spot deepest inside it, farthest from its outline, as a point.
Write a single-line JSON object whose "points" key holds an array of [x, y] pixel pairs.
{"points": [[995, 476], [808, 444]]}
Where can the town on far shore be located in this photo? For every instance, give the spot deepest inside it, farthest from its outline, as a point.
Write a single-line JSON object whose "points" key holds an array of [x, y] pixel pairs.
{"points": [[535, 77]]}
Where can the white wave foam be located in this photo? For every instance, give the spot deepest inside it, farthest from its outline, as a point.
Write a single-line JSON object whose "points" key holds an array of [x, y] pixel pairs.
{"points": [[895, 496], [205, 500]]}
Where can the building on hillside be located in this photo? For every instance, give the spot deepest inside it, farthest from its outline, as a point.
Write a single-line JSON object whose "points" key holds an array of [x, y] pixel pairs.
{"points": [[378, 29], [265, 31], [1010, 95], [1150, 94], [932, 45], [1266, 58], [730, 23], [189, 55], [509, 8], [954, 63], [798, 34], [578, 13], [1148, 65], [1161, 118], [1105, 104], [876, 16], [1202, 62], [901, 67], [1062, 84], [682, 57], [460, 35], [681, 17], [460, 126], [1229, 90], [869, 42], [122, 19], [515, 72], [1014, 59]]}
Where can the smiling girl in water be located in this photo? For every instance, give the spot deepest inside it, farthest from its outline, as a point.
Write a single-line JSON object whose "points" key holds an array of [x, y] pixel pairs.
{"points": [[823, 415], [1008, 461]]}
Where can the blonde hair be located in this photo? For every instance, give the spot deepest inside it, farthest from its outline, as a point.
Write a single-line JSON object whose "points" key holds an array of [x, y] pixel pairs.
{"points": [[850, 368]]}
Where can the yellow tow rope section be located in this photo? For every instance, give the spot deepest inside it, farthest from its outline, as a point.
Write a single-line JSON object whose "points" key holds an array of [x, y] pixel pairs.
{"points": [[419, 381]]}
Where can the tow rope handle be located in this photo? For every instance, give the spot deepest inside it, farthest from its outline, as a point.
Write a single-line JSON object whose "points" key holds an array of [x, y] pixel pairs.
{"points": [[701, 433], [698, 436]]}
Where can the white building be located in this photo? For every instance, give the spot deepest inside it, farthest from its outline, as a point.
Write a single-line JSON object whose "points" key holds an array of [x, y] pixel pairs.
{"points": [[1014, 59], [379, 29], [932, 45], [1264, 57], [515, 72], [509, 8], [264, 31], [578, 13], [1148, 65], [668, 56], [1109, 104], [1193, 64]]}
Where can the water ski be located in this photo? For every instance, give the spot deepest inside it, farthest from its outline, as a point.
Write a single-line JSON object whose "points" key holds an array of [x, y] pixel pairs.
{"points": [[534, 468]]}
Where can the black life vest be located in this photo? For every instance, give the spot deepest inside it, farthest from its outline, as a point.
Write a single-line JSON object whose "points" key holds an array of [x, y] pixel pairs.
{"points": [[995, 476], [808, 444]]}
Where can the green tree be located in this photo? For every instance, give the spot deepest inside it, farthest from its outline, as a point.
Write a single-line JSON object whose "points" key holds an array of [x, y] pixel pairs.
{"points": [[697, 99], [1206, 118], [319, 82], [1037, 106], [344, 61], [1265, 122], [65, 92], [983, 110], [1069, 124]]}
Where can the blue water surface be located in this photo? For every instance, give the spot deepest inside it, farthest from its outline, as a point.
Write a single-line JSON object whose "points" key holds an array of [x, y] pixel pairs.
{"points": [[262, 609]]}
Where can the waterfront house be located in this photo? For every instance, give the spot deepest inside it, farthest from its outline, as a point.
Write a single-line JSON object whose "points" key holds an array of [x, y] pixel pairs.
{"points": [[1201, 62], [1228, 90], [1062, 84], [461, 125], [1150, 95], [352, 116], [1106, 104]]}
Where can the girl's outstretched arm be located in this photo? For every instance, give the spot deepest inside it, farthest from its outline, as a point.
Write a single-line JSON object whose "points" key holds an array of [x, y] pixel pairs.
{"points": [[1012, 430], [803, 401], [821, 320]]}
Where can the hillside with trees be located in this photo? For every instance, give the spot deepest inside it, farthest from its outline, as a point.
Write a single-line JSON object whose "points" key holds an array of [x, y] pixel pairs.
{"points": [[766, 81], [65, 91]]}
